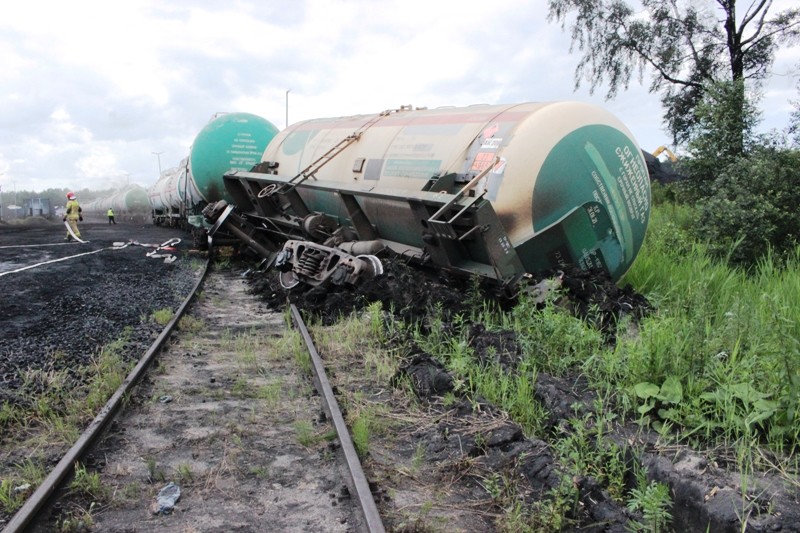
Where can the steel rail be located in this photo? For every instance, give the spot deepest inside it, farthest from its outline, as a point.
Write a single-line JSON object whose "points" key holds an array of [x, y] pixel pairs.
{"points": [[359, 480], [64, 467]]}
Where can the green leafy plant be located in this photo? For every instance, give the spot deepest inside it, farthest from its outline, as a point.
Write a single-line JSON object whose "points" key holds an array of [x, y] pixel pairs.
{"points": [[493, 485], [745, 405], [665, 397], [752, 208], [654, 502]]}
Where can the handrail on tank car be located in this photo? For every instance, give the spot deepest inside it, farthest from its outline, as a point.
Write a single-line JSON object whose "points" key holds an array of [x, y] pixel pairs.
{"points": [[460, 194], [325, 158]]}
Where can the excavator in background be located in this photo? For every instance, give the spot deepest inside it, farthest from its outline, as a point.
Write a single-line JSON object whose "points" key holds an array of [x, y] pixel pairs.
{"points": [[663, 149], [662, 171]]}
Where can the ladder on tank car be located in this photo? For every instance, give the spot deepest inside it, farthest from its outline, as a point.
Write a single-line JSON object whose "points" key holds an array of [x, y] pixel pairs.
{"points": [[445, 228], [323, 160]]}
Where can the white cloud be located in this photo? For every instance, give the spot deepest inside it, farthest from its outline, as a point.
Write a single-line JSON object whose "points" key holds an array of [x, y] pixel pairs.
{"points": [[97, 163], [92, 88]]}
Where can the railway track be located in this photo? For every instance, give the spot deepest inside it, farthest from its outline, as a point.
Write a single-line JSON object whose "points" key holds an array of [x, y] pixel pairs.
{"points": [[216, 406], [228, 420], [64, 468], [225, 414]]}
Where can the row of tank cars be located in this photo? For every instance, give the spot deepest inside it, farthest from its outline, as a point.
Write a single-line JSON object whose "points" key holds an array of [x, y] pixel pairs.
{"points": [[228, 141], [501, 191], [128, 203]]}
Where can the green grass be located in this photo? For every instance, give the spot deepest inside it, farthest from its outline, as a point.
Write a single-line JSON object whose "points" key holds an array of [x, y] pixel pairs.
{"points": [[53, 408], [88, 484], [360, 431], [20, 483], [362, 336], [10, 498], [731, 339], [189, 324], [162, 316], [715, 365], [306, 435]]}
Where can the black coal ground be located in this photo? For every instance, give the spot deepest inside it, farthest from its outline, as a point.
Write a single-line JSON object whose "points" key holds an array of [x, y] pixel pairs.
{"points": [[57, 317], [704, 495]]}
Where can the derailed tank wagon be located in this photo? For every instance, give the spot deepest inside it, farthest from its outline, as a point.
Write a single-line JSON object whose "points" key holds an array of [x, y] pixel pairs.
{"points": [[502, 191], [228, 141]]}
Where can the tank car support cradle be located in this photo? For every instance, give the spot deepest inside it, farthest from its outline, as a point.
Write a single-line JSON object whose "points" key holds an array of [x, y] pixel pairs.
{"points": [[479, 245], [474, 219]]}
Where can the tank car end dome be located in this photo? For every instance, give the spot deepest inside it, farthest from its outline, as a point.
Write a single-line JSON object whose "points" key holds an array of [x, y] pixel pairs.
{"points": [[229, 141]]}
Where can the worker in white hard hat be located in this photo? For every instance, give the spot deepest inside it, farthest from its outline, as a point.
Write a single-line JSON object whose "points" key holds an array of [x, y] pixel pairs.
{"points": [[73, 215], [110, 215]]}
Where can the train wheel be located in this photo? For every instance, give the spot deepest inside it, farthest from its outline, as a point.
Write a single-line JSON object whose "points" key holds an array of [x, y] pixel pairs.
{"points": [[288, 279]]}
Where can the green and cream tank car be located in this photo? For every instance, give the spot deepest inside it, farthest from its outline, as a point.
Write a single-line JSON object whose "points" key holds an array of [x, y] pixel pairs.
{"points": [[497, 190]]}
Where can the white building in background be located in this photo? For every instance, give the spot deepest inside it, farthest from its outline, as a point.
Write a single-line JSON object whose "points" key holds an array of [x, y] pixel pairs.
{"points": [[37, 207]]}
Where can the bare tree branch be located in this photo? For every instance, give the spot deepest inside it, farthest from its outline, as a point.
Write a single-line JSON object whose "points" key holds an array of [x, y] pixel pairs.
{"points": [[686, 49]]}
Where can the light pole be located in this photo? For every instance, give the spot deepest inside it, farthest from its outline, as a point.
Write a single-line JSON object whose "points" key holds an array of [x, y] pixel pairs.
{"points": [[1, 198], [287, 107], [158, 155]]}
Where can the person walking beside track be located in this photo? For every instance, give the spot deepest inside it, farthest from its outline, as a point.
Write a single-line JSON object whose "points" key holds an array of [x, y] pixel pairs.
{"points": [[72, 216], [110, 215]]}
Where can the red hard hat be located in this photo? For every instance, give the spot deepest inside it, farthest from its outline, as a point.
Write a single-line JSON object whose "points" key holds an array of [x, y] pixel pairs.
{"points": [[70, 195]]}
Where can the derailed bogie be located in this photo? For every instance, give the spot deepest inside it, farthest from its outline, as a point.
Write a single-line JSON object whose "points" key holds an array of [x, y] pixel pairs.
{"points": [[315, 264]]}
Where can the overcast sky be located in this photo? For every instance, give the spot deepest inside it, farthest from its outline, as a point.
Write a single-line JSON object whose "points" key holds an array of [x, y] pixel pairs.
{"points": [[91, 89]]}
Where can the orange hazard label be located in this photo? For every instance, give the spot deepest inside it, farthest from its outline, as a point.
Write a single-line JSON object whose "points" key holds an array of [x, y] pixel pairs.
{"points": [[483, 160]]}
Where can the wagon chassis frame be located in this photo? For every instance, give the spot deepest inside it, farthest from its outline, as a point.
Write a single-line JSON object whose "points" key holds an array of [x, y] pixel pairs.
{"points": [[461, 232]]}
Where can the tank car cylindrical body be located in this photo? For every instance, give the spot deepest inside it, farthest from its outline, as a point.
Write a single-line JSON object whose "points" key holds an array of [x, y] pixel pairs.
{"points": [[229, 141], [131, 199], [168, 196], [566, 179], [93, 207]]}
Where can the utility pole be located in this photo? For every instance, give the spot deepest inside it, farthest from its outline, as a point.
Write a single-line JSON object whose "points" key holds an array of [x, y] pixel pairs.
{"points": [[287, 107], [158, 155]]}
